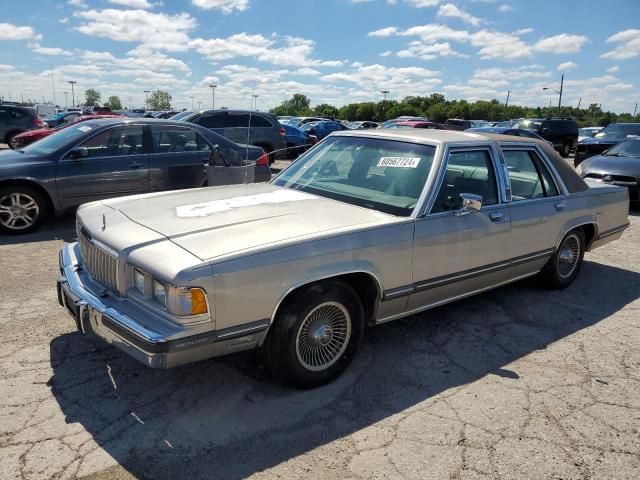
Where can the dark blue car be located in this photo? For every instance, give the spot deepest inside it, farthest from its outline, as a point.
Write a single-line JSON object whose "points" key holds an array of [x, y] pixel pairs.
{"points": [[323, 128], [604, 139], [297, 141], [100, 159], [62, 118]]}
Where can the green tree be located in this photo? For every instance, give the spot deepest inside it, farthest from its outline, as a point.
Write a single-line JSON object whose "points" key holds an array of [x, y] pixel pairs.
{"points": [[114, 103], [325, 110], [159, 100], [297, 105], [348, 112], [91, 97]]}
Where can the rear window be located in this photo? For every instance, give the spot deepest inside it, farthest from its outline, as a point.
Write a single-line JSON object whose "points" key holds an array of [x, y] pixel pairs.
{"points": [[617, 130], [259, 121]]}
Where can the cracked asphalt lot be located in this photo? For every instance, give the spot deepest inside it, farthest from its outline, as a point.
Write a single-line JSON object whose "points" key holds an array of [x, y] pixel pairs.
{"points": [[515, 383]]}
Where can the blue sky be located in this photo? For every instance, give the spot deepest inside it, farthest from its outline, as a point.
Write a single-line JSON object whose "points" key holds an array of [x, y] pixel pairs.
{"points": [[335, 51]]}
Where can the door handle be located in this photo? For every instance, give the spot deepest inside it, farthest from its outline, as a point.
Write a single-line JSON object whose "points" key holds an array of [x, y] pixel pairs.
{"points": [[496, 216], [560, 205], [135, 165]]}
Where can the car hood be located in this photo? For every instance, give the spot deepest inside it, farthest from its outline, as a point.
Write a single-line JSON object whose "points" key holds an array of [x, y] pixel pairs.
{"points": [[12, 158], [219, 222], [601, 141], [629, 166], [35, 133]]}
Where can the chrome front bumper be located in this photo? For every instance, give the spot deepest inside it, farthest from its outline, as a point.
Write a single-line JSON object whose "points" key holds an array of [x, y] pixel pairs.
{"points": [[164, 347]]}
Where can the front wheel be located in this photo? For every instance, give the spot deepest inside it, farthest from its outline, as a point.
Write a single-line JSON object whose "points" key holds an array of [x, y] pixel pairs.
{"points": [[565, 150], [22, 209], [315, 335], [564, 265]]}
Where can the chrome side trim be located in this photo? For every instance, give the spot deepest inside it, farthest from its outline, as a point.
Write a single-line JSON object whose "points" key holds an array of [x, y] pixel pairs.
{"points": [[613, 231], [452, 299]]}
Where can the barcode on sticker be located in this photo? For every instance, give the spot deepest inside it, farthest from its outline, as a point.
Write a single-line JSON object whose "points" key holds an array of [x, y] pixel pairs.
{"points": [[399, 162]]}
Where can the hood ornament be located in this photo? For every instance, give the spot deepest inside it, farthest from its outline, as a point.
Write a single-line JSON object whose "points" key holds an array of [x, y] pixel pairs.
{"points": [[104, 222]]}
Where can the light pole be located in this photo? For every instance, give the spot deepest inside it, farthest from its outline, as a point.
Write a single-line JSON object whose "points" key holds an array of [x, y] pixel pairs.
{"points": [[146, 99], [73, 95], [191, 102], [384, 101], [255, 101], [213, 95], [579, 102], [558, 92], [66, 100]]}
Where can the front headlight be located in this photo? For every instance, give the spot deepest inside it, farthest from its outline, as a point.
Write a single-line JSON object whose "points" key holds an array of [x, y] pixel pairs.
{"points": [[579, 169], [160, 293], [138, 281], [187, 301]]}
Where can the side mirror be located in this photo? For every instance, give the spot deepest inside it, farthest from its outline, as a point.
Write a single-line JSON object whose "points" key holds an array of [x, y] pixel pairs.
{"points": [[470, 203], [78, 153], [544, 130]]}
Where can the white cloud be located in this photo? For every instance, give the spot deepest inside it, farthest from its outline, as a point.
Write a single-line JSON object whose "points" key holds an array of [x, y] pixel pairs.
{"points": [[429, 51], [563, 67], [162, 31], [504, 8], [78, 3], [291, 51], [384, 32], [450, 10], [613, 69], [511, 74], [307, 71], [523, 31], [386, 53], [629, 45], [225, 6], [563, 43], [53, 51], [143, 4], [9, 31], [421, 3]]}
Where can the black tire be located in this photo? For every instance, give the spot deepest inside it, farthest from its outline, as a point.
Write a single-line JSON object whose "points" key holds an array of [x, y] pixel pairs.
{"points": [[10, 135], [562, 269], [565, 150], [287, 346], [33, 213]]}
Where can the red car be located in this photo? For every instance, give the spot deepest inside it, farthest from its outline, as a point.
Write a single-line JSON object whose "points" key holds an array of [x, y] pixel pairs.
{"points": [[25, 138], [418, 124]]}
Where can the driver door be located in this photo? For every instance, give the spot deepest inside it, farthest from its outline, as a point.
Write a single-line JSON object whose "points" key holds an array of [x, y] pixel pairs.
{"points": [[457, 253], [116, 164]]}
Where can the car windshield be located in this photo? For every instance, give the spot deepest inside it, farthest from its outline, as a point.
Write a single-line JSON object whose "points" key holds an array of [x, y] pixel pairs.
{"points": [[627, 148], [619, 131], [395, 125], [307, 126], [378, 174], [532, 125], [59, 139], [586, 132]]}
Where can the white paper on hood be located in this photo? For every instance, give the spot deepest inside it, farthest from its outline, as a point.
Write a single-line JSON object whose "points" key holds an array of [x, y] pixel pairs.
{"points": [[224, 205]]}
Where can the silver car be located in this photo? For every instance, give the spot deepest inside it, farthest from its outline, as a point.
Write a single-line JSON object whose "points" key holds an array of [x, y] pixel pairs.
{"points": [[364, 228]]}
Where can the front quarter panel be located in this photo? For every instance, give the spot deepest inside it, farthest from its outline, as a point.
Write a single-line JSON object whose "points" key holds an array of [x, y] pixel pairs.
{"points": [[250, 288]]}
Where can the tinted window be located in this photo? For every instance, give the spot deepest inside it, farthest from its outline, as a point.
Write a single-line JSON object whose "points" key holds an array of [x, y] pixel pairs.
{"points": [[467, 172], [216, 120], [115, 142], [628, 148], [529, 177], [177, 139], [15, 113], [619, 130], [259, 121]]}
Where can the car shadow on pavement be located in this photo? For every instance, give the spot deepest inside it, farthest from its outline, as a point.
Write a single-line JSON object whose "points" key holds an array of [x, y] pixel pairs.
{"points": [[225, 418], [62, 228]]}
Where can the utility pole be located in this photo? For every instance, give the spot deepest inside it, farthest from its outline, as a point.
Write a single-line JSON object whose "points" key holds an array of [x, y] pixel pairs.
{"points": [[146, 99], [191, 102], [255, 101], [53, 86], [73, 95], [506, 104], [635, 109], [213, 95], [66, 100], [560, 97], [579, 102]]}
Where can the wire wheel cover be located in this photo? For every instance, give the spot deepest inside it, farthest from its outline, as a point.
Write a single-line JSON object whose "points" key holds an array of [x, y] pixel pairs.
{"points": [[323, 336], [18, 211], [568, 256]]}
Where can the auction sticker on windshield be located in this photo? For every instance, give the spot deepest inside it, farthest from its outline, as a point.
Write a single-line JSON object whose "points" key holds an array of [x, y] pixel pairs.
{"points": [[399, 162], [84, 128]]}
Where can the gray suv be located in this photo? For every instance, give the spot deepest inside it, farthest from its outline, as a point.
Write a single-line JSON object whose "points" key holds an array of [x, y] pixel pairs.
{"points": [[245, 126], [15, 119]]}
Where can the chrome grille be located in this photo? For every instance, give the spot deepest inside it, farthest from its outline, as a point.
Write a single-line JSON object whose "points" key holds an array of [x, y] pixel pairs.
{"points": [[101, 265]]}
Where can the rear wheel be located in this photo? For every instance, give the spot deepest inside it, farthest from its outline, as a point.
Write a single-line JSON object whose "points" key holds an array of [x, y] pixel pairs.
{"points": [[22, 209], [563, 267], [10, 135], [566, 149], [315, 335]]}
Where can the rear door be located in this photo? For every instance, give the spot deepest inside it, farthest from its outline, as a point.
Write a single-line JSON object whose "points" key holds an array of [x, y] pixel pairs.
{"points": [[537, 206], [117, 164], [179, 158]]}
